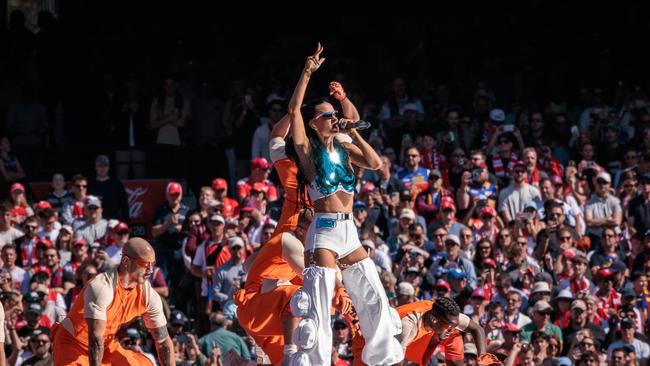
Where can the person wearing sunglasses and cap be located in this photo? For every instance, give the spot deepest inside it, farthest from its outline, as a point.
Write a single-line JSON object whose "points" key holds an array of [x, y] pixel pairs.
{"points": [[87, 336]]}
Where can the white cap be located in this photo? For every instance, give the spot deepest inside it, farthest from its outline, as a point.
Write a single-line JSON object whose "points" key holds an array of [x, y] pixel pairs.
{"points": [[405, 288], [605, 176], [408, 213], [235, 241], [497, 115], [541, 286]]}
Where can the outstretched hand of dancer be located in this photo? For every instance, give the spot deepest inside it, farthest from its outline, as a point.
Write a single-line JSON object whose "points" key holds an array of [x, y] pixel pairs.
{"points": [[315, 61]]}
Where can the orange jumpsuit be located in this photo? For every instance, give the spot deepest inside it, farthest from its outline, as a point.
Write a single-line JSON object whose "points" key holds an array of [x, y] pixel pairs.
{"points": [[420, 348], [287, 172], [260, 314], [71, 336]]}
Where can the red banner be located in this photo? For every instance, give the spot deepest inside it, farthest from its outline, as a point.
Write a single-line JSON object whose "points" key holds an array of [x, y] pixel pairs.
{"points": [[144, 197]]}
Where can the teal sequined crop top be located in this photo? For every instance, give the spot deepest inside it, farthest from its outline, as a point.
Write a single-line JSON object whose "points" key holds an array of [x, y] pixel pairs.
{"points": [[333, 174]]}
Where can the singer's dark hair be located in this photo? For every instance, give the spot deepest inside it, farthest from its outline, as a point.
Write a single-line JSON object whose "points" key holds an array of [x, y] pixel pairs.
{"points": [[308, 112], [303, 198]]}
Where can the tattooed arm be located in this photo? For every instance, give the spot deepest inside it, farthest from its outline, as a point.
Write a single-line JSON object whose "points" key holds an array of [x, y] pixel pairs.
{"points": [[164, 346], [96, 329]]}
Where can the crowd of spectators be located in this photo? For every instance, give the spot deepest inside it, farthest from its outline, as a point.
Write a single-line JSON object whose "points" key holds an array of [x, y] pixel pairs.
{"points": [[533, 216]]}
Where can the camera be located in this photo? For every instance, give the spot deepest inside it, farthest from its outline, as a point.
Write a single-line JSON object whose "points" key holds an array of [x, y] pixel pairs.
{"points": [[508, 128]]}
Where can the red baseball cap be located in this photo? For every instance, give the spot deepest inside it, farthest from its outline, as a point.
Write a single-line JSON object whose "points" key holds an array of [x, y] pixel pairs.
{"points": [[122, 226], [489, 262], [44, 241], [260, 163], [446, 205], [219, 184], [17, 187], [509, 327], [174, 188], [367, 187], [443, 284], [488, 211], [260, 187], [604, 273], [43, 205], [478, 292]]}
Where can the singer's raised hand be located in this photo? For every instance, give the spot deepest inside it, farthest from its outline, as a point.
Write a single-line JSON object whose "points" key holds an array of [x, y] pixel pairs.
{"points": [[343, 125], [315, 61], [336, 90]]}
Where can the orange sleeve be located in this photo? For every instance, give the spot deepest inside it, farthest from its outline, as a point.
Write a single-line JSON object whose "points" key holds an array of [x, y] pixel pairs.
{"points": [[454, 347]]}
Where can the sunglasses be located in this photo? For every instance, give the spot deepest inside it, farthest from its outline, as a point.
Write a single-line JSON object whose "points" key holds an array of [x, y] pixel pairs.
{"points": [[565, 238], [39, 341], [602, 181], [328, 114], [141, 263], [81, 186]]}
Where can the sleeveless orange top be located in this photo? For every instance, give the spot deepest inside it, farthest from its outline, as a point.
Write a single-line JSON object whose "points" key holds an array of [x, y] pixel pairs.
{"points": [[126, 305], [287, 172]]}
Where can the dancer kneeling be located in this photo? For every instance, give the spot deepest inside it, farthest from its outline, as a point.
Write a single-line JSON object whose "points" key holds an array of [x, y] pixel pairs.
{"points": [[332, 238], [428, 324]]}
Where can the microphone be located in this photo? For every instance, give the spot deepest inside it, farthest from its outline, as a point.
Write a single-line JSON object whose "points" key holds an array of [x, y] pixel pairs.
{"points": [[359, 125]]}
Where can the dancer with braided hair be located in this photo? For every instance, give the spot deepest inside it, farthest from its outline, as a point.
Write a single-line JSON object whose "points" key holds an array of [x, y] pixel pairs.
{"points": [[427, 325], [332, 238]]}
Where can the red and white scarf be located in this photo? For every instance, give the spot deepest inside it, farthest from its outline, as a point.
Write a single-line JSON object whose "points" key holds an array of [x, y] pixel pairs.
{"points": [[499, 169], [431, 159], [551, 166]]}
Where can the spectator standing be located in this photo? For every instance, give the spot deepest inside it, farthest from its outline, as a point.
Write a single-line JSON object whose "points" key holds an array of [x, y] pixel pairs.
{"points": [[109, 190], [59, 196], [92, 227], [75, 208], [8, 233]]}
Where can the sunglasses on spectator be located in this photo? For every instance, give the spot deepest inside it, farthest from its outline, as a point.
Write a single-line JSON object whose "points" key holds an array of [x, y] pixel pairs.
{"points": [[39, 341], [328, 114], [602, 181], [519, 171], [81, 186], [564, 238]]}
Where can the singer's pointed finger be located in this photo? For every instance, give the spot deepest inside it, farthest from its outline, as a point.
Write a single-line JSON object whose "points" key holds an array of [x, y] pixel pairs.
{"points": [[321, 61]]}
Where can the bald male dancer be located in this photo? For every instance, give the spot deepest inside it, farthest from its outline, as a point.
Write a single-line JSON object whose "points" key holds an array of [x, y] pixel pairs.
{"points": [[87, 335]]}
